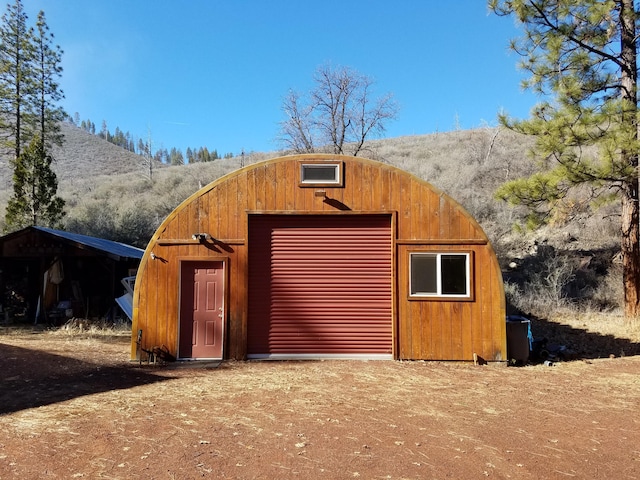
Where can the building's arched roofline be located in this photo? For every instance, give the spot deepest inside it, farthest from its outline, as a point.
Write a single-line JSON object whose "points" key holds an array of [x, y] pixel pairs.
{"points": [[315, 156]]}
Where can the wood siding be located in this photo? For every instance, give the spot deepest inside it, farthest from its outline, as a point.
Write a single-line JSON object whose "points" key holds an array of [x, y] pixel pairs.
{"points": [[424, 219]]}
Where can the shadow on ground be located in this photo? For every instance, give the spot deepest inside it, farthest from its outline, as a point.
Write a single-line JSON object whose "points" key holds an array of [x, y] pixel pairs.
{"points": [[33, 378], [580, 344]]}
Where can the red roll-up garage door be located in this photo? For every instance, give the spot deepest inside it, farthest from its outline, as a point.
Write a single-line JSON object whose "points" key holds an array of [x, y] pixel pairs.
{"points": [[320, 286]]}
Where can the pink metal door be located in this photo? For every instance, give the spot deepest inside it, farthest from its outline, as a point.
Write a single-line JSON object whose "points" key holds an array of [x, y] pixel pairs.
{"points": [[201, 310]]}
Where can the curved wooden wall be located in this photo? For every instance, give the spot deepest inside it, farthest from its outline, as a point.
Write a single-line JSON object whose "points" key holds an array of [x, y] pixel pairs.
{"points": [[424, 219]]}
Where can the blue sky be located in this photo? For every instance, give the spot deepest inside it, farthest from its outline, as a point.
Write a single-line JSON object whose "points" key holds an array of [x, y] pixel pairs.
{"points": [[213, 73]]}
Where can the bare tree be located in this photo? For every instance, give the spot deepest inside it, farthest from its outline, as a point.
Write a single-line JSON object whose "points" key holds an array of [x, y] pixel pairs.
{"points": [[296, 129], [339, 114]]}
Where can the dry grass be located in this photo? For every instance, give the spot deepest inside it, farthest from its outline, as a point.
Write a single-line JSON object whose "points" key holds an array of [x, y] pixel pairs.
{"points": [[603, 324], [88, 413], [109, 195], [75, 329]]}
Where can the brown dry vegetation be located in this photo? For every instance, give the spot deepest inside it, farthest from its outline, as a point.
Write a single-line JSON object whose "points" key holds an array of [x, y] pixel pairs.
{"points": [[72, 406], [569, 265]]}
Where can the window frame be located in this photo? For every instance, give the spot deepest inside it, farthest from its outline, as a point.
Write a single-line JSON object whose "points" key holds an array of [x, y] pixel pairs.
{"points": [[438, 295], [339, 174]]}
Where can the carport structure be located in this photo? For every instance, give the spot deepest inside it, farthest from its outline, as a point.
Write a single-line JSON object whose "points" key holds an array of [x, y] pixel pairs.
{"points": [[41, 268]]}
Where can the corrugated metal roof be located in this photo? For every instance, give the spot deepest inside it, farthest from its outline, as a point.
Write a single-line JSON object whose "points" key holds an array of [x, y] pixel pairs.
{"points": [[108, 246]]}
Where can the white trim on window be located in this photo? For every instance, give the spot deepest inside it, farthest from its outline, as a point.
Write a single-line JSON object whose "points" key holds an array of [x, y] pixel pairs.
{"points": [[320, 174], [435, 279]]}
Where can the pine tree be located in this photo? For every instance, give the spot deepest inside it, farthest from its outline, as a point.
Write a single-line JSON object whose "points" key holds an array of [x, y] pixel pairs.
{"points": [[34, 200], [104, 131], [175, 157], [16, 89], [47, 92], [142, 148], [29, 69], [191, 157], [582, 53]]}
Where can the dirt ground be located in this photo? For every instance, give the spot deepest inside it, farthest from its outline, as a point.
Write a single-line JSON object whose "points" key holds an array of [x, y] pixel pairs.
{"points": [[73, 406]]}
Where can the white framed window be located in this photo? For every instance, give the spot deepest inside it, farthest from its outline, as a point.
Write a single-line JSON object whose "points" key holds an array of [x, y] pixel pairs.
{"points": [[440, 274], [321, 174]]}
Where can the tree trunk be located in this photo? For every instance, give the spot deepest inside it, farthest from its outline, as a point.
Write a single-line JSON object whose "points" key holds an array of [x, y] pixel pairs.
{"points": [[630, 248], [630, 245]]}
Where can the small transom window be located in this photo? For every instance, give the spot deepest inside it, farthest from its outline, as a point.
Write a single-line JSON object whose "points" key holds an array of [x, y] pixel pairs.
{"points": [[318, 174], [440, 274]]}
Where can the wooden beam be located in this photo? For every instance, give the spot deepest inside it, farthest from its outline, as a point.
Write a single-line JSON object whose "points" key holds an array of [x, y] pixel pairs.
{"points": [[190, 241], [457, 241]]}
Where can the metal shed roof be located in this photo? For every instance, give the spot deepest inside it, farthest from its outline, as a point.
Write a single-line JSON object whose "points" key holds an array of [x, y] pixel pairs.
{"points": [[107, 246]]}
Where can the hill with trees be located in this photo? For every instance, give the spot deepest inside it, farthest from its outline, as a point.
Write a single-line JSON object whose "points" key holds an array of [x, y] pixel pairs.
{"points": [[572, 262]]}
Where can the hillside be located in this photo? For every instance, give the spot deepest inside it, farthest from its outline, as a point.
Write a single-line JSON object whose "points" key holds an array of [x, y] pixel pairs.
{"points": [[83, 163], [467, 164], [109, 194]]}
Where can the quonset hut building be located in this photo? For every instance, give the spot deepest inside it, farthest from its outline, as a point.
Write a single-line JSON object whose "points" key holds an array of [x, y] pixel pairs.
{"points": [[320, 256]]}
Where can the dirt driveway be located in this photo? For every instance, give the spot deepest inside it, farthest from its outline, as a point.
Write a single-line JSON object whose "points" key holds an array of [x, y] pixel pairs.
{"points": [[72, 407]]}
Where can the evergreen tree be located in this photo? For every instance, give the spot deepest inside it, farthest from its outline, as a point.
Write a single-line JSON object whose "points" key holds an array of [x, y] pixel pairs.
{"points": [[47, 92], [104, 131], [175, 157], [583, 54], [203, 155], [34, 200], [118, 137], [142, 147], [16, 88], [161, 155]]}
